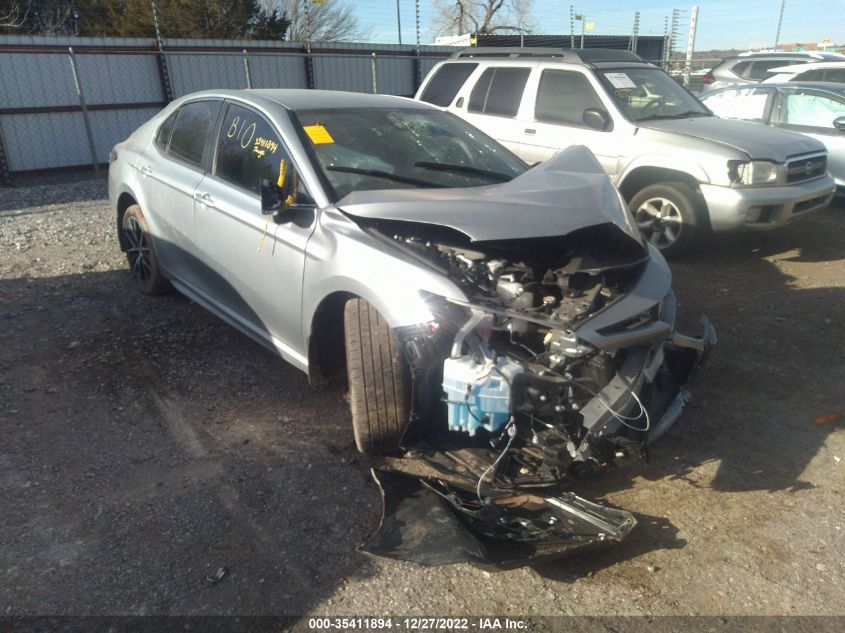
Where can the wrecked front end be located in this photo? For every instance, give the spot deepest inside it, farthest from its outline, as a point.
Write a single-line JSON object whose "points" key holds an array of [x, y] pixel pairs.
{"points": [[560, 362]]}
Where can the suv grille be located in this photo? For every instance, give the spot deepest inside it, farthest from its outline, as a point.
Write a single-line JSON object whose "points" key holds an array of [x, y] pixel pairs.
{"points": [[801, 169]]}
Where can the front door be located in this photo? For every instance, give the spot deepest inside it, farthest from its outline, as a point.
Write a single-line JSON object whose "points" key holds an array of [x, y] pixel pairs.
{"points": [[558, 120], [252, 264], [812, 112]]}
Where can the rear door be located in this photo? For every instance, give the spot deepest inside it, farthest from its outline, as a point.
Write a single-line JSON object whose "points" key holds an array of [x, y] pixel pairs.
{"points": [[252, 264], [170, 170], [493, 104]]}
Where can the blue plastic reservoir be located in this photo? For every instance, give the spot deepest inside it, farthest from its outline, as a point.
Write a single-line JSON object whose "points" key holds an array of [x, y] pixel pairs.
{"points": [[478, 395]]}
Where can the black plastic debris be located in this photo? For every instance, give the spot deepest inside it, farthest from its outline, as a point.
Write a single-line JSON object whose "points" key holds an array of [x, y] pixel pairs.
{"points": [[429, 522]]}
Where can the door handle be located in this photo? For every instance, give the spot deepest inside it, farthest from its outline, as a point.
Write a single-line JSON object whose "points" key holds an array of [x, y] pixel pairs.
{"points": [[204, 198], [147, 170], [530, 131]]}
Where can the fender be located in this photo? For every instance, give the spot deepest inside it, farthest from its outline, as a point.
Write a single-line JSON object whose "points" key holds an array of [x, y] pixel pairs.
{"points": [[664, 161]]}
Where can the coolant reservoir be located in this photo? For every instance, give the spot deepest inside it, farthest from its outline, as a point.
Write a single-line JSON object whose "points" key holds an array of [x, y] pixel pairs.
{"points": [[478, 394]]}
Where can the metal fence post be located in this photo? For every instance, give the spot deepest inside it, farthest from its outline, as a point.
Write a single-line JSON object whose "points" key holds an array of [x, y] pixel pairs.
{"points": [[375, 82], [246, 70], [309, 67], [5, 178], [84, 109], [163, 72]]}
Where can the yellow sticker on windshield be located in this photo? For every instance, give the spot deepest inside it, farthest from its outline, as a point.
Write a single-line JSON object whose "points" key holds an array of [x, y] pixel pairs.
{"points": [[318, 134]]}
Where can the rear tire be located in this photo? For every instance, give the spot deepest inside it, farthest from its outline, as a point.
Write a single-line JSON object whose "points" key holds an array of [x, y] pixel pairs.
{"points": [[379, 379], [669, 215], [140, 252]]}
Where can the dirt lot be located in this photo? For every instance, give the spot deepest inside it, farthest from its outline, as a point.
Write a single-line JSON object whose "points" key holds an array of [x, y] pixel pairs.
{"points": [[145, 445]]}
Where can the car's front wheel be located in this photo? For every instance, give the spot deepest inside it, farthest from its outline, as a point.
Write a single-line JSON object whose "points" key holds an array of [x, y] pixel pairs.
{"points": [[379, 379], [141, 254], [668, 215]]}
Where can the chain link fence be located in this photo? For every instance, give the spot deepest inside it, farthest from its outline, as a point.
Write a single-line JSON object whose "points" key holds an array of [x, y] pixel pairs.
{"points": [[64, 102]]}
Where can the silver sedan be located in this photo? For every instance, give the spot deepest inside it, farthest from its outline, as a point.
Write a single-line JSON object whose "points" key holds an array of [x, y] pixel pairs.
{"points": [[507, 323]]}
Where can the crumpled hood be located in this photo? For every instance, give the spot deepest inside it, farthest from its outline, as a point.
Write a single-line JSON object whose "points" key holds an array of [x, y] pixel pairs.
{"points": [[758, 141], [567, 192]]}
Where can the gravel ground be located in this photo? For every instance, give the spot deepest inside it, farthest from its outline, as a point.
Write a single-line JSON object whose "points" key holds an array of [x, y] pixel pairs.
{"points": [[145, 445]]}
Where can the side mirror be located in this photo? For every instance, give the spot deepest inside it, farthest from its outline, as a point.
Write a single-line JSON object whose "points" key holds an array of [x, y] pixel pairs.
{"points": [[839, 123], [280, 195], [596, 118]]}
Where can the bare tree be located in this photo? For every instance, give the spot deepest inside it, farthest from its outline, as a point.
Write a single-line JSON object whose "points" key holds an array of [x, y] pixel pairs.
{"points": [[13, 16], [331, 21], [456, 17]]}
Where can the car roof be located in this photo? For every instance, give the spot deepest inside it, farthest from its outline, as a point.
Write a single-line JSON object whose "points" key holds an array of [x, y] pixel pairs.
{"points": [[304, 99], [789, 55], [801, 68], [583, 56]]}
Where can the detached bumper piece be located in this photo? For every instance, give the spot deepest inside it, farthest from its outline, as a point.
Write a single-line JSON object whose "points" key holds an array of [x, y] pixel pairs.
{"points": [[428, 522]]}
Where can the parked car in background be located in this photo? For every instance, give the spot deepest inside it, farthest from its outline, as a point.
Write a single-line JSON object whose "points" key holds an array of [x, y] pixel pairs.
{"points": [[683, 170], [755, 67], [508, 323], [815, 71], [812, 108]]}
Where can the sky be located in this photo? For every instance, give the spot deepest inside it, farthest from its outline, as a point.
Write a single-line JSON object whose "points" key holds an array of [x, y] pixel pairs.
{"points": [[721, 23]]}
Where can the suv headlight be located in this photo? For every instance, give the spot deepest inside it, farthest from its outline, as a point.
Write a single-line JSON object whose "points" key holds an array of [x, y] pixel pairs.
{"points": [[753, 172]]}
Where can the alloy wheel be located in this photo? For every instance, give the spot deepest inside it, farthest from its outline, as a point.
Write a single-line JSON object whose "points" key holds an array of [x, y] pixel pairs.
{"points": [[659, 221], [138, 251]]}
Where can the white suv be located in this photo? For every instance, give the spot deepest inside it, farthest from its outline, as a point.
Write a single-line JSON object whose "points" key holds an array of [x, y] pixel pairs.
{"points": [[682, 169]]}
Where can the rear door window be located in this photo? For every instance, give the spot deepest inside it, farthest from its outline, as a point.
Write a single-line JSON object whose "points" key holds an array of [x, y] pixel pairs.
{"points": [[446, 83], [760, 69], [190, 130], [248, 149], [563, 96], [499, 91]]}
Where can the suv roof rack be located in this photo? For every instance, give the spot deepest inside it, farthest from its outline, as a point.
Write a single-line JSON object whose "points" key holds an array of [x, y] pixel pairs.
{"points": [[577, 55]]}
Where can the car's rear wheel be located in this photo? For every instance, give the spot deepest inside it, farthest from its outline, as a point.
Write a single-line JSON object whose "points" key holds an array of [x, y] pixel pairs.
{"points": [[141, 254], [379, 379], [668, 216]]}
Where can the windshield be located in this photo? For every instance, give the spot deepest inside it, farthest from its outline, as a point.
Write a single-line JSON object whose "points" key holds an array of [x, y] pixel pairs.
{"points": [[649, 93], [393, 148]]}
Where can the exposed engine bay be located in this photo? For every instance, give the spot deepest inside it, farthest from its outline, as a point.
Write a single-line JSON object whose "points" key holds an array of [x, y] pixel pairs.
{"points": [[513, 390], [551, 355]]}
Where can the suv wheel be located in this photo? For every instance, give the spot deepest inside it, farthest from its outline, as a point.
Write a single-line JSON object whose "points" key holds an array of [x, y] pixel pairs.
{"points": [[667, 216], [379, 379], [140, 253]]}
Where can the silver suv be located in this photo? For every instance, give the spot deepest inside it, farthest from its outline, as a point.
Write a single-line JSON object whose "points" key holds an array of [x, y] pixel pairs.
{"points": [[753, 68], [682, 170]]}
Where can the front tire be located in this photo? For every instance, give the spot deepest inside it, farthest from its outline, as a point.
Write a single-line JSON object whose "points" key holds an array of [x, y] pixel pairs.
{"points": [[379, 379], [668, 216], [141, 254]]}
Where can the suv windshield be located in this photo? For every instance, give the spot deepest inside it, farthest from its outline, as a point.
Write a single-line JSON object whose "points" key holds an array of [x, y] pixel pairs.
{"points": [[649, 93], [393, 148]]}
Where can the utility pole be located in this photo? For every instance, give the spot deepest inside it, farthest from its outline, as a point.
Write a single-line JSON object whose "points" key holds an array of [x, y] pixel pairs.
{"points": [[399, 22], [571, 26], [780, 21], [307, 21], [693, 24]]}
